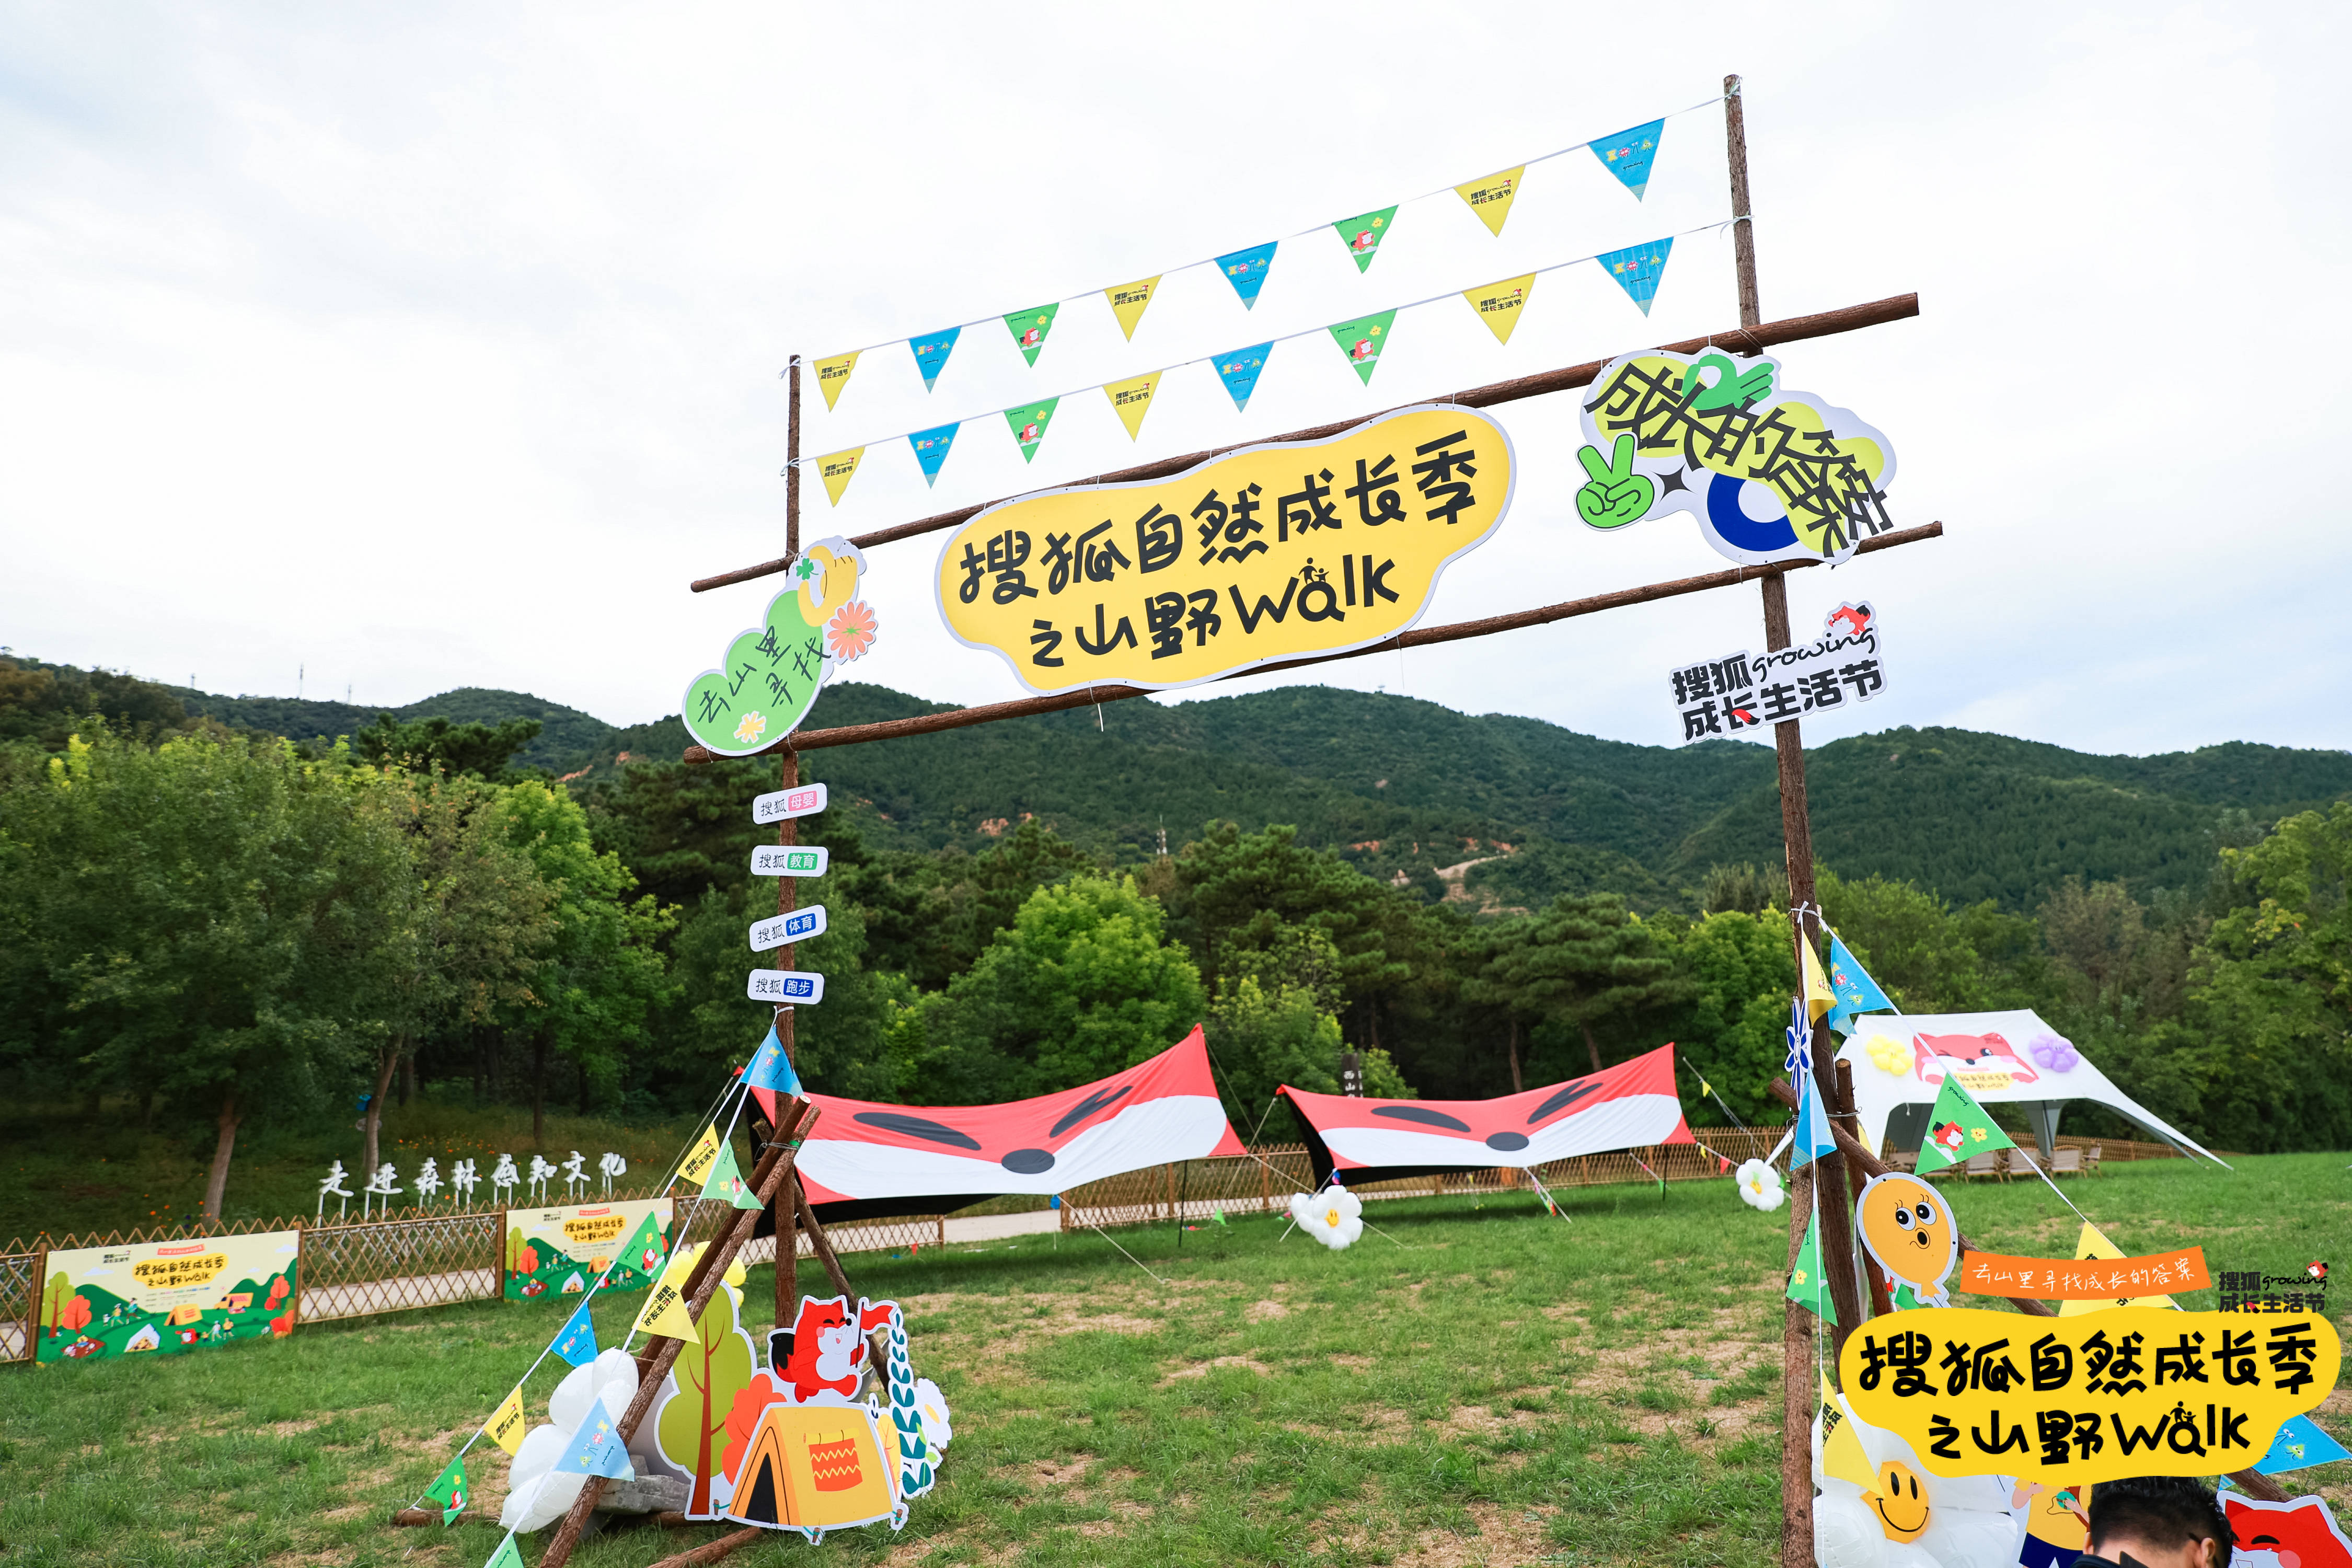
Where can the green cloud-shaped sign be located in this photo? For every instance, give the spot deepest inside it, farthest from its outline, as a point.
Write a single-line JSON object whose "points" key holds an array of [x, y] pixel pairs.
{"points": [[774, 670]]}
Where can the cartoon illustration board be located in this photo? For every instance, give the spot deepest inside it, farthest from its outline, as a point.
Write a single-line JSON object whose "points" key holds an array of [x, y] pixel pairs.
{"points": [[1911, 1235]]}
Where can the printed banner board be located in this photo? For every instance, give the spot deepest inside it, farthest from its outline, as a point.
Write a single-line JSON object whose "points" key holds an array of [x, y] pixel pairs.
{"points": [[801, 800], [1846, 665], [790, 860], [97, 1302], [560, 1252], [1267, 554]]}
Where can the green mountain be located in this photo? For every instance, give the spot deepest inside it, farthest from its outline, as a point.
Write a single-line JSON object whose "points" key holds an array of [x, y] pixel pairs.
{"points": [[567, 738]]}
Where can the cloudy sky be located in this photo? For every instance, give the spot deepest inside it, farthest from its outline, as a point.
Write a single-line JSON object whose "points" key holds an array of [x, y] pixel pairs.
{"points": [[419, 347]]}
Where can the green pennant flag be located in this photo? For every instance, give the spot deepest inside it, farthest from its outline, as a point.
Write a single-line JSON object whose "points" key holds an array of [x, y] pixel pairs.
{"points": [[1807, 1287], [505, 1556], [1028, 424], [1363, 234], [646, 1249], [1957, 1129], [451, 1491], [1362, 340], [727, 1181], [1029, 329]]}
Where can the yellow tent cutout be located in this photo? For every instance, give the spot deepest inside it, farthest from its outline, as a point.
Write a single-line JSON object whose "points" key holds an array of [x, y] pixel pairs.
{"points": [[506, 1423], [1499, 304], [701, 1157], [815, 1466], [2093, 1243], [833, 375], [1128, 301], [1491, 197], [1132, 399], [837, 470]]}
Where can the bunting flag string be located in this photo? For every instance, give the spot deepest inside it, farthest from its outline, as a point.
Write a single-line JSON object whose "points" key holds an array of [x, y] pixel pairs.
{"points": [[1627, 154], [1637, 269]]}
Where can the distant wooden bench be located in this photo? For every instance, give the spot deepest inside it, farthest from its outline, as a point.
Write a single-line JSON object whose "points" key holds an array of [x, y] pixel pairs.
{"points": [[1984, 1166]]}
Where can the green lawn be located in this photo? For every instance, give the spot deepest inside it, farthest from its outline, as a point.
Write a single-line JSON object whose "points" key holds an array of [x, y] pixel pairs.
{"points": [[1503, 1387]]}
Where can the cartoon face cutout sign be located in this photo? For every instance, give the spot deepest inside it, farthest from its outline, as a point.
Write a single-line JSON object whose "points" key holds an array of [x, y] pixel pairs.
{"points": [[1899, 1502], [1912, 1236], [2300, 1532]]}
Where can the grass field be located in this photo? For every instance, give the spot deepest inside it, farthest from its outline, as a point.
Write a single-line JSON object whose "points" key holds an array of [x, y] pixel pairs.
{"points": [[1502, 1387]]}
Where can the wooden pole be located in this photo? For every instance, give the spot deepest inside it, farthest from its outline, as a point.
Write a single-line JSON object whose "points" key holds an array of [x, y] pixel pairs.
{"points": [[1420, 636], [780, 1212], [1750, 337]]}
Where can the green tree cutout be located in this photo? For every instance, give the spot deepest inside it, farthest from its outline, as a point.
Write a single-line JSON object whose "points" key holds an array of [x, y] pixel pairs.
{"points": [[710, 1372], [54, 1295]]}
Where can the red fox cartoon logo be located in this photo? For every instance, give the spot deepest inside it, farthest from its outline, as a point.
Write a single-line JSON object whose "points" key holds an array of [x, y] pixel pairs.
{"points": [[824, 1348]]}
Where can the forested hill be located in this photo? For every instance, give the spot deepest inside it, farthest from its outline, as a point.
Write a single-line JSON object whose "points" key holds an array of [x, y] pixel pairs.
{"points": [[1400, 786]]}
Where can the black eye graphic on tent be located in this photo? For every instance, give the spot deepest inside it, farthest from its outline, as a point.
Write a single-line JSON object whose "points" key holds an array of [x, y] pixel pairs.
{"points": [[1507, 1140], [1024, 1161]]}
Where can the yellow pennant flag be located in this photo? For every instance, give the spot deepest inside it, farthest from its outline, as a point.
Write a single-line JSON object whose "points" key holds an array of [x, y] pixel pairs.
{"points": [[1133, 400], [1818, 1000], [506, 1423], [1127, 301], [1490, 198], [1499, 304], [837, 470], [1842, 1452], [701, 1158], [2093, 1243], [833, 375], [664, 1312]]}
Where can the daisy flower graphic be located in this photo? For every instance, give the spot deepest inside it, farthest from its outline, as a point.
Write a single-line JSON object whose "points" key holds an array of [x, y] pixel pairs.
{"points": [[751, 726], [851, 631]]}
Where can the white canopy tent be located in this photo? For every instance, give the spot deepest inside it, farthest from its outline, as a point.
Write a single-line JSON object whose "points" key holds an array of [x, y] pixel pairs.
{"points": [[1900, 1061]]}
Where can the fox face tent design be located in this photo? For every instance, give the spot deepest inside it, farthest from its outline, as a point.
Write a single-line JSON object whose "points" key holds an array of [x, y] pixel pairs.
{"points": [[869, 1160], [1353, 1140]]}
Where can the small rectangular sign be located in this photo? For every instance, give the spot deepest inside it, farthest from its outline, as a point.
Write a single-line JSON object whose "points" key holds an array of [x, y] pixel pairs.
{"points": [[793, 925], [2084, 1279], [801, 800], [790, 987], [790, 860]]}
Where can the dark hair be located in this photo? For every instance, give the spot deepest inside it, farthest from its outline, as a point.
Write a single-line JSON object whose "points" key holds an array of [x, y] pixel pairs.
{"points": [[2162, 1511]]}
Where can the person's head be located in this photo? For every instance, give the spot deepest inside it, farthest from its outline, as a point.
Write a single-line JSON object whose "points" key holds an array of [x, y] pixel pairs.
{"points": [[2163, 1521]]}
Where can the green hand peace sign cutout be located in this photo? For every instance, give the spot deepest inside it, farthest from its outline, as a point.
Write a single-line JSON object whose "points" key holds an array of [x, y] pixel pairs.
{"points": [[1616, 495]]}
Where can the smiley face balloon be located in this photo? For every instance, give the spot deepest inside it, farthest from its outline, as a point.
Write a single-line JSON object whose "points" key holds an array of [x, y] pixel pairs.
{"points": [[1911, 1234], [1899, 1502]]}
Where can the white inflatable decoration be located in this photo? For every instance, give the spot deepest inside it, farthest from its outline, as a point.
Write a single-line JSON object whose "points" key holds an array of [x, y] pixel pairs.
{"points": [[1760, 1187], [535, 1498], [1968, 1522], [1334, 1216]]}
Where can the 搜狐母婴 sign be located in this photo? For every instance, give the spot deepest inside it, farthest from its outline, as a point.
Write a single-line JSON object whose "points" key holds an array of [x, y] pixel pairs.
{"points": [[1273, 552]]}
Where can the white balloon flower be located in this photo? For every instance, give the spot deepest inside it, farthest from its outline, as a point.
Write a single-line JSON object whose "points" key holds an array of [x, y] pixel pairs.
{"points": [[1334, 1216], [1760, 1187]]}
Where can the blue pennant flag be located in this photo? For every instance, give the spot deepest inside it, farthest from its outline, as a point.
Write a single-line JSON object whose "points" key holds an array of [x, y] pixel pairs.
{"points": [[771, 1073], [1246, 271], [2300, 1443], [1637, 270], [596, 1449], [931, 449], [931, 353], [1855, 991], [1813, 1138], [1627, 154], [1239, 371], [577, 1342], [1800, 1034]]}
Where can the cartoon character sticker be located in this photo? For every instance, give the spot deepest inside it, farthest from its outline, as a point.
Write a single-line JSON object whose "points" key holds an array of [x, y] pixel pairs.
{"points": [[1992, 1059], [1911, 1235]]}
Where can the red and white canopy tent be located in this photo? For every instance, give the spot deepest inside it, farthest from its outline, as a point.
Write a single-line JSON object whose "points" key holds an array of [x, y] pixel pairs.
{"points": [[1362, 1140], [866, 1161]]}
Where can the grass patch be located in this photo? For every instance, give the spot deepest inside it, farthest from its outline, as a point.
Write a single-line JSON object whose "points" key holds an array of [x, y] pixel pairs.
{"points": [[1503, 1388]]}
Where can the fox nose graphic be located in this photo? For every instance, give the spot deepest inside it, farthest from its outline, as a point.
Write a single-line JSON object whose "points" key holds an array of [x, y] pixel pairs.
{"points": [[1507, 1141], [1028, 1162]]}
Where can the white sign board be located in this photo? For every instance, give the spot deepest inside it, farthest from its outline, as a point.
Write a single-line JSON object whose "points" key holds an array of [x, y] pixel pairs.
{"points": [[801, 800], [1845, 666], [789, 987], [792, 925], [790, 860]]}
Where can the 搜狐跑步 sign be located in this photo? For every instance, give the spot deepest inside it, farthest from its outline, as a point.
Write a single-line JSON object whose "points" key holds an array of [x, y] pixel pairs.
{"points": [[166, 1296], [1271, 553], [563, 1251]]}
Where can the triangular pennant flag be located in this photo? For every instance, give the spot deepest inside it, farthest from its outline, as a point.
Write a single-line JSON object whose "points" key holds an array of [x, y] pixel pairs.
{"points": [[1239, 371], [1491, 197], [664, 1312], [1807, 1288], [1813, 1138], [931, 449], [1818, 1000], [1627, 154], [451, 1490], [645, 1250], [1855, 991], [931, 353], [2093, 1243], [727, 1183], [1958, 1130], [2300, 1443], [505, 1556], [1841, 1451], [699, 1159], [506, 1426], [1128, 301], [1029, 329], [1246, 271], [1363, 234], [1637, 270], [596, 1449], [1362, 340], [833, 375], [1133, 400], [1499, 304], [1028, 424], [577, 1343], [837, 470]]}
